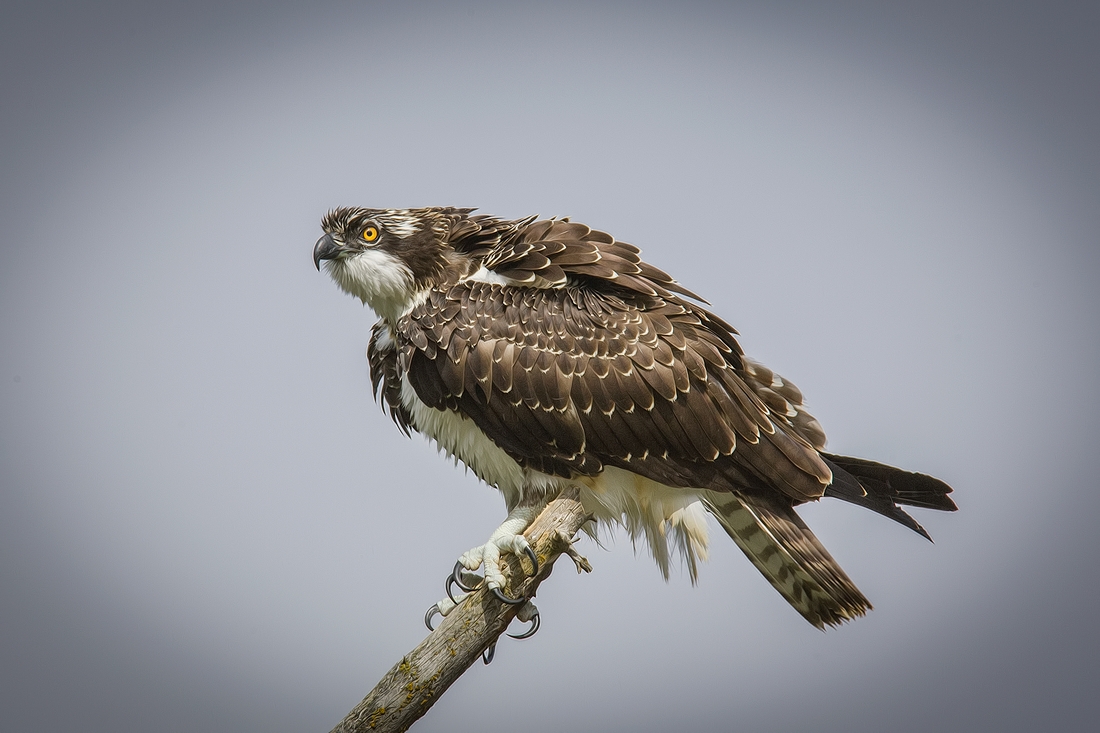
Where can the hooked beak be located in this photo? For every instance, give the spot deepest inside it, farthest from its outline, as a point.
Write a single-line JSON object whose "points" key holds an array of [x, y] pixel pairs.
{"points": [[325, 249]]}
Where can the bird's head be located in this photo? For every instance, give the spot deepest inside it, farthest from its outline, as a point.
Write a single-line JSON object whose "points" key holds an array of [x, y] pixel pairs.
{"points": [[388, 258]]}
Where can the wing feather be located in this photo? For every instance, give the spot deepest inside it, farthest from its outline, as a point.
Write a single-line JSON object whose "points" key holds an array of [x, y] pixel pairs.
{"points": [[568, 379]]}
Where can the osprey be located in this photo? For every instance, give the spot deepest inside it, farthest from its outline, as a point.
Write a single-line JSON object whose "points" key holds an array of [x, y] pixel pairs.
{"points": [[545, 354]]}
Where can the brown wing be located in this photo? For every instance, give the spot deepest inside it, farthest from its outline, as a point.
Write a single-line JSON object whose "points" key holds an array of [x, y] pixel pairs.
{"points": [[554, 252], [611, 369]]}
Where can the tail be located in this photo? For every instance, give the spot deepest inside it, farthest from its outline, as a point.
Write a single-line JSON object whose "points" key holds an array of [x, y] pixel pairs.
{"points": [[881, 488], [788, 554]]}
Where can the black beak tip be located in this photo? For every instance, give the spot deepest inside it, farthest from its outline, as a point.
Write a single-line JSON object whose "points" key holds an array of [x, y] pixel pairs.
{"points": [[325, 249]]}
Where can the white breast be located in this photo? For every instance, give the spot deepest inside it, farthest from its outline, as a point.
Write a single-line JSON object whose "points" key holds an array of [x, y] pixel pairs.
{"points": [[460, 438]]}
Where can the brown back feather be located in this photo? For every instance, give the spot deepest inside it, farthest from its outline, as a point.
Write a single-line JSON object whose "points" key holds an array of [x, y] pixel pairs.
{"points": [[611, 368]]}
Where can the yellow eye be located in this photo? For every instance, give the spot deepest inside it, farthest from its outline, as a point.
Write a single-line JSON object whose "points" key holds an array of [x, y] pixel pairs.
{"points": [[370, 234]]}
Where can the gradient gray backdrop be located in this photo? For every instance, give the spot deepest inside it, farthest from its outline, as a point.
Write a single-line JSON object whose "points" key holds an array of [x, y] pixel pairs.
{"points": [[207, 525]]}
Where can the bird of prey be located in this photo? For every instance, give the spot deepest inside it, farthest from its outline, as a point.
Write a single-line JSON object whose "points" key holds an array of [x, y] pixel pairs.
{"points": [[545, 354]]}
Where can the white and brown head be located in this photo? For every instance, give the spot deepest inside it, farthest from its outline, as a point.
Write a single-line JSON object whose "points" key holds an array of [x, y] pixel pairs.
{"points": [[389, 258]]}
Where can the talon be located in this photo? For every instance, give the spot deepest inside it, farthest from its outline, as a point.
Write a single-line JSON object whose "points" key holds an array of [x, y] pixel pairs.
{"points": [[487, 655], [432, 612], [505, 599], [457, 575], [455, 578], [451, 581], [533, 558], [530, 632]]}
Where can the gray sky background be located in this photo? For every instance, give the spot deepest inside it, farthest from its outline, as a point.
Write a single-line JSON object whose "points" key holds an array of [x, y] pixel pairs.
{"points": [[207, 524]]}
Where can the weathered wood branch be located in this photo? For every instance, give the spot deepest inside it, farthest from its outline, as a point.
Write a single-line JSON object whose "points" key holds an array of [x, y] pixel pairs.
{"points": [[414, 684]]}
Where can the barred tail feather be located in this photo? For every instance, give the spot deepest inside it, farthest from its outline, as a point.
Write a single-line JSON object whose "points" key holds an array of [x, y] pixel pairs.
{"points": [[788, 554]]}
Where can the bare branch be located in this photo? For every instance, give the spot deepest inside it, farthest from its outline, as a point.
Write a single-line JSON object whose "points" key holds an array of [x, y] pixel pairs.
{"points": [[414, 684]]}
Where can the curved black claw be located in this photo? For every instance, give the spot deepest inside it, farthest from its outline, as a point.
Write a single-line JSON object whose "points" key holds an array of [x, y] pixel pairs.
{"points": [[487, 655], [431, 612], [505, 599], [533, 558], [457, 575], [455, 578], [451, 581], [530, 632]]}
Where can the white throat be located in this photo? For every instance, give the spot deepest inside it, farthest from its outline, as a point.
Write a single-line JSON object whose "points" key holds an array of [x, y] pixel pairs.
{"points": [[378, 279]]}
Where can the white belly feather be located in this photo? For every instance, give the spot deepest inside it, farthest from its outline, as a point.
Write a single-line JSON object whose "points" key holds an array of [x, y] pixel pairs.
{"points": [[665, 516]]}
